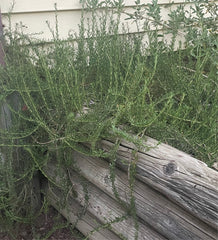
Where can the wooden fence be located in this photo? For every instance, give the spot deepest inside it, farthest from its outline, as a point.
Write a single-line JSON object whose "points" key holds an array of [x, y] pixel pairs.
{"points": [[176, 195]]}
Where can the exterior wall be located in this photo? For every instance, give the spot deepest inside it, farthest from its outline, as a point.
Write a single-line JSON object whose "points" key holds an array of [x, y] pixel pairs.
{"points": [[35, 15]]}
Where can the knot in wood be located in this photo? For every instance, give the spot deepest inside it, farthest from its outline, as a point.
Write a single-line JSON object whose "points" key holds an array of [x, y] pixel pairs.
{"points": [[107, 179], [169, 168]]}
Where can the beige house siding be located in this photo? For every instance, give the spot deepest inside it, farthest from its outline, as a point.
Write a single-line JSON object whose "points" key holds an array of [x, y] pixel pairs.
{"points": [[28, 6], [36, 14]]}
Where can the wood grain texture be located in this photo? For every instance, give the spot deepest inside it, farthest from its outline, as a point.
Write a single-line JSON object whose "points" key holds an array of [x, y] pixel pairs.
{"points": [[178, 176], [105, 208], [151, 206], [175, 194], [72, 210]]}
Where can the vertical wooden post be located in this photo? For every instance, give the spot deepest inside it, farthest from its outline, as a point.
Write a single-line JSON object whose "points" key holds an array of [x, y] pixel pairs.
{"points": [[2, 62], [5, 116], [6, 123]]}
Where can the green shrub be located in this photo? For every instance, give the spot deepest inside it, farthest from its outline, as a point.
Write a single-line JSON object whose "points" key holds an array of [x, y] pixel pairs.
{"points": [[78, 91]]}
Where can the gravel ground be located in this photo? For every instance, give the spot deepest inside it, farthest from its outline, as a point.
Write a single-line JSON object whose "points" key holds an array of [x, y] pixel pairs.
{"points": [[46, 227]]}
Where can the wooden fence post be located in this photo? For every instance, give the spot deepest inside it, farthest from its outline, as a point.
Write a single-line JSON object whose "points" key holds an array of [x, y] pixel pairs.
{"points": [[6, 123], [5, 118]]}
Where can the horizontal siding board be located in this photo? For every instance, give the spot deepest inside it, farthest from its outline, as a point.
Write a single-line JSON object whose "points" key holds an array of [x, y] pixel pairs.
{"points": [[37, 23], [35, 14], [68, 21], [26, 6]]}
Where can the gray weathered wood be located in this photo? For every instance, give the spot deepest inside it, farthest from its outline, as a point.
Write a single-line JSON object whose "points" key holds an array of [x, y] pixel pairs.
{"points": [[72, 210], [163, 215], [5, 125], [180, 177], [2, 62], [5, 116], [104, 207]]}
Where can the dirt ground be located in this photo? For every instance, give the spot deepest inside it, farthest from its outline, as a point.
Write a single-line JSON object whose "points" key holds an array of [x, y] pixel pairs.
{"points": [[49, 226]]}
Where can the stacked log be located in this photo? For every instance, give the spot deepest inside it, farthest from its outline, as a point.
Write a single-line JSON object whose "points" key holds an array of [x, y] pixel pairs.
{"points": [[185, 180], [176, 195], [106, 209], [88, 224]]}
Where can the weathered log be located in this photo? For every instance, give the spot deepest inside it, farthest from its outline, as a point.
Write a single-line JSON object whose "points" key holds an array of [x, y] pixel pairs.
{"points": [[163, 215], [105, 208], [180, 177], [86, 224]]}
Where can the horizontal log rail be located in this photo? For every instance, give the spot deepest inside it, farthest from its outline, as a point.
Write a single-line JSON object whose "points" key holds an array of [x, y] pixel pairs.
{"points": [[176, 195], [187, 181], [71, 211], [106, 209], [151, 206]]}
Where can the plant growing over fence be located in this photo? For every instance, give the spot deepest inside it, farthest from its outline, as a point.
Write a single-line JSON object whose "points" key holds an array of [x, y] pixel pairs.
{"points": [[79, 91]]}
